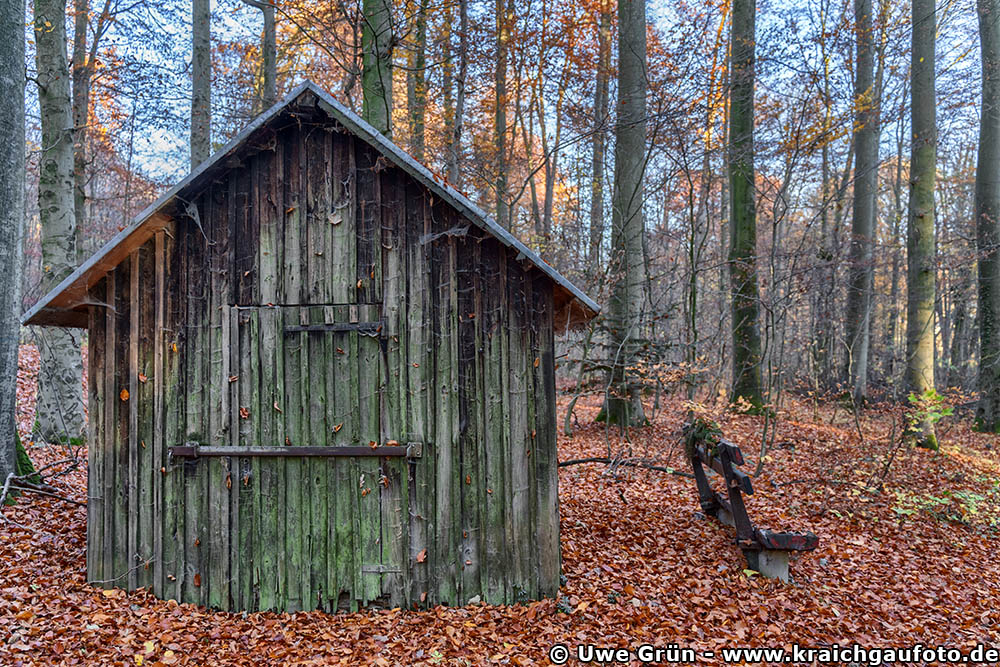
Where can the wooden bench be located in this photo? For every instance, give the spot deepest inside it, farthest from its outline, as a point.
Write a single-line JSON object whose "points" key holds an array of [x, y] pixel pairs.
{"points": [[766, 551]]}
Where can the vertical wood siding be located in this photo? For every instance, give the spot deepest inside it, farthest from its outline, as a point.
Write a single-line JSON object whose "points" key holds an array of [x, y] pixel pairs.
{"points": [[313, 227]]}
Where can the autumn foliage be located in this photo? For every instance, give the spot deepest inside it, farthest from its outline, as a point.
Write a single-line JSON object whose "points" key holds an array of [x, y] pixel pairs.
{"points": [[907, 555]]}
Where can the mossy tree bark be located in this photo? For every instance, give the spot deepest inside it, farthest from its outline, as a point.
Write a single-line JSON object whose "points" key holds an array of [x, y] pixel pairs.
{"points": [[377, 42], [59, 407], [743, 224], [987, 212], [920, 232], [627, 263], [11, 221]]}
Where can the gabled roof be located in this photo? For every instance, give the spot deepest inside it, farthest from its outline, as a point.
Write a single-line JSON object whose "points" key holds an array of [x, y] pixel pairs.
{"points": [[65, 304]]}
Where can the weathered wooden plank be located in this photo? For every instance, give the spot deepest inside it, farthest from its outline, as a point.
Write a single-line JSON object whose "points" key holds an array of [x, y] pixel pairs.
{"points": [[316, 182], [369, 277], [292, 412], [145, 425], [218, 474], [173, 340], [366, 353], [470, 409], [394, 494], [242, 433], [416, 363], [519, 523], [131, 381], [122, 554], [110, 405], [342, 252], [532, 395], [159, 421], [246, 235], [291, 251], [446, 519], [97, 441], [197, 355], [347, 474], [268, 500], [496, 540], [545, 454], [267, 175], [315, 502]]}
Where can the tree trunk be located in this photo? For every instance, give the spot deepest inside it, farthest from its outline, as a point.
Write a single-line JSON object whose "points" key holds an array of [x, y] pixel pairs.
{"points": [[416, 82], [920, 229], [959, 353], [81, 106], [377, 42], [269, 57], [59, 410], [201, 82], [11, 222], [452, 159], [987, 212], [627, 264], [601, 101], [866, 137], [504, 19], [743, 227]]}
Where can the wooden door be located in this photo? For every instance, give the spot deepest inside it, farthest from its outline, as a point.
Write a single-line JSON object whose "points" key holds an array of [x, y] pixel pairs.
{"points": [[313, 376]]}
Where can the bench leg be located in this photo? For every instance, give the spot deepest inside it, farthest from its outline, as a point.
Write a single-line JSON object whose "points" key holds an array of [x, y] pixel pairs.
{"points": [[770, 563]]}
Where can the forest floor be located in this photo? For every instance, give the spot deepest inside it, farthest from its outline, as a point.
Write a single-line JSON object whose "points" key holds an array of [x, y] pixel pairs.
{"points": [[911, 557]]}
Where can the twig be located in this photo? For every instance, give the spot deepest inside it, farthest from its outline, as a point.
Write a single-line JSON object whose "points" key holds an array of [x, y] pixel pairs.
{"points": [[31, 488], [630, 464]]}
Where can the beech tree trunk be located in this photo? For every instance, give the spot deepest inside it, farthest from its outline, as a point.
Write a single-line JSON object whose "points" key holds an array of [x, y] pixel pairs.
{"points": [[455, 124], [627, 263], [269, 58], [377, 43], [866, 138], [416, 82], [268, 93], [743, 225], [11, 221], [987, 212], [81, 106], [201, 82], [59, 406], [504, 18], [920, 228], [601, 102]]}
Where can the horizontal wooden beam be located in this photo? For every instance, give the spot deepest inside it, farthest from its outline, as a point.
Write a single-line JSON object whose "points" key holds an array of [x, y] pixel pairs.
{"points": [[365, 328], [410, 450]]}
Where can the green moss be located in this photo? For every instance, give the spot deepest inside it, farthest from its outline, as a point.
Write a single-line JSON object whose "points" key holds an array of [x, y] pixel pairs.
{"points": [[23, 466]]}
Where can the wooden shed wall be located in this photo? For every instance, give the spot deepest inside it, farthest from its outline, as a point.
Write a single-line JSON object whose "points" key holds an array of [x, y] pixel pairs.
{"points": [[313, 224]]}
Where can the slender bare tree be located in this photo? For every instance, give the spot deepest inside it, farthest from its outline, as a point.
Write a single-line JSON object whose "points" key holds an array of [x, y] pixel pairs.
{"points": [[987, 207], [920, 229], [201, 82], [743, 225], [866, 140], [11, 220], [627, 263]]}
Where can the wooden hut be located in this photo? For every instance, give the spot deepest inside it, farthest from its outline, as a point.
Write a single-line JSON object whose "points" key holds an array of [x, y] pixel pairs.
{"points": [[319, 378]]}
